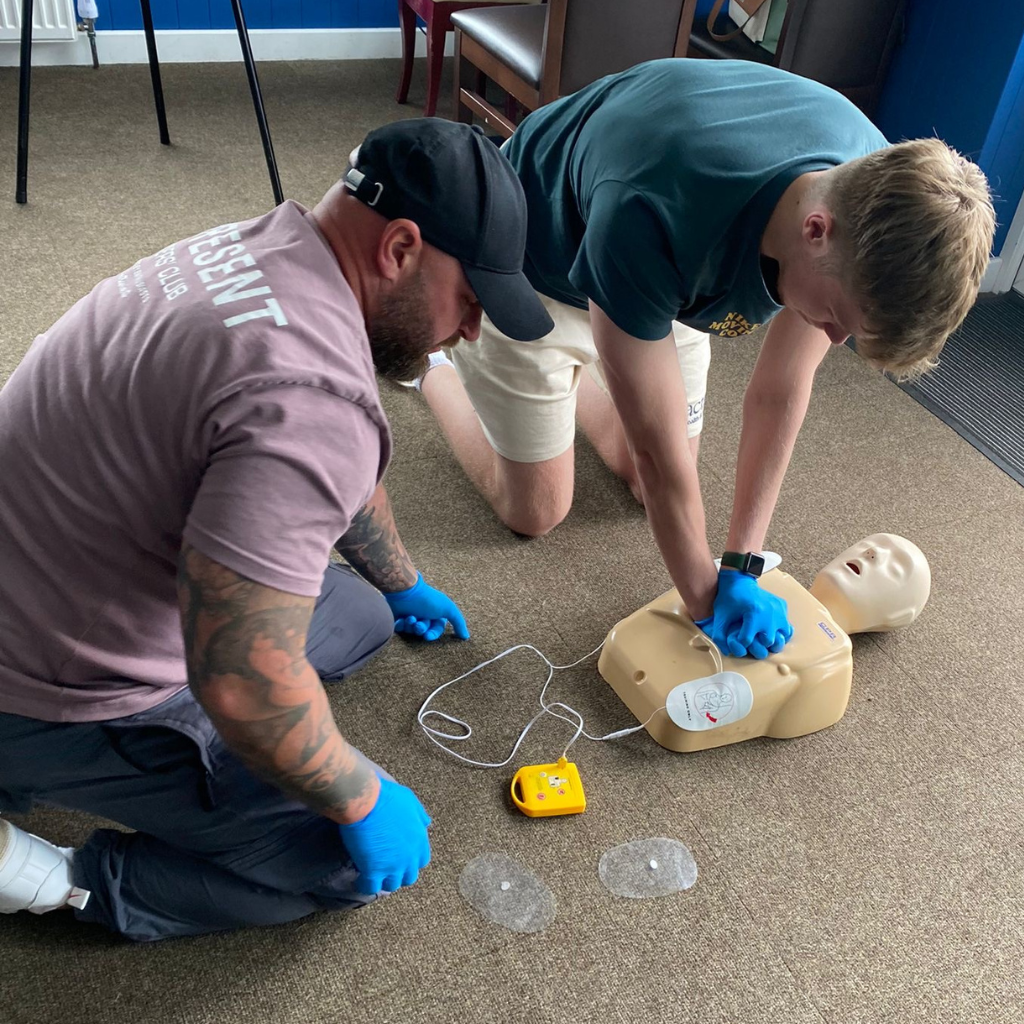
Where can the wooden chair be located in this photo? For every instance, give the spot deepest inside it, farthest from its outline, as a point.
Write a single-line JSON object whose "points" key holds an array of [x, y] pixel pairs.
{"points": [[845, 44], [539, 53], [437, 17]]}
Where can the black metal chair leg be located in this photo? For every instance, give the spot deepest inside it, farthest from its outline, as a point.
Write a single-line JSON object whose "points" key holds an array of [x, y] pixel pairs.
{"points": [[24, 84], [90, 29], [154, 71], [257, 100]]}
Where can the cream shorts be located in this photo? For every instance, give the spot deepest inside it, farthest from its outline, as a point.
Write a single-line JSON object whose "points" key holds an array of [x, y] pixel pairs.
{"points": [[525, 392]]}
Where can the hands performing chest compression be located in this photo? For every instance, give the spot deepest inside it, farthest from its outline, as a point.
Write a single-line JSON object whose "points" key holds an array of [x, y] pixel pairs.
{"points": [[747, 620]]}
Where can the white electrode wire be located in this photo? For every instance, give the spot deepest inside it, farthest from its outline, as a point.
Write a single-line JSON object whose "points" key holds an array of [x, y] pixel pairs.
{"points": [[437, 735], [715, 654]]}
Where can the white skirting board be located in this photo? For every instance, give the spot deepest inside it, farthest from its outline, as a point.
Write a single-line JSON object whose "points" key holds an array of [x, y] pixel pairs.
{"points": [[175, 46], [992, 274]]}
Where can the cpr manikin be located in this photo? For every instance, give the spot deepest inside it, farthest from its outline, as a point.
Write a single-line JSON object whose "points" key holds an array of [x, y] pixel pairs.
{"points": [[692, 697], [880, 584]]}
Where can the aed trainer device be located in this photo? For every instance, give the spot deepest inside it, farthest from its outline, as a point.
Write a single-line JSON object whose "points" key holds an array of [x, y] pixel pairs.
{"points": [[546, 790]]}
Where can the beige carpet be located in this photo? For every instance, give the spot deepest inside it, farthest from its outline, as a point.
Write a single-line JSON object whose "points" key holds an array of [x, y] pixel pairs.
{"points": [[871, 873]]}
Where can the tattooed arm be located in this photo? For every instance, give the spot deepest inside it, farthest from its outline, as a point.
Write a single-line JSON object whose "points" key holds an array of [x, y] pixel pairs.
{"points": [[245, 646], [372, 547]]}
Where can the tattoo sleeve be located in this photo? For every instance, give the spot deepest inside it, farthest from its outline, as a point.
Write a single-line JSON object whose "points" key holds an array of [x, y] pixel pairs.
{"points": [[245, 647], [372, 547]]}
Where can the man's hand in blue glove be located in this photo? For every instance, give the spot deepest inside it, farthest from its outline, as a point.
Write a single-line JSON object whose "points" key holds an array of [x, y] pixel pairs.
{"points": [[389, 846], [747, 620], [423, 611]]}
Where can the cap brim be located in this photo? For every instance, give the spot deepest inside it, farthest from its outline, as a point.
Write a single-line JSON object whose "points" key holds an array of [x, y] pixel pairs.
{"points": [[511, 303]]}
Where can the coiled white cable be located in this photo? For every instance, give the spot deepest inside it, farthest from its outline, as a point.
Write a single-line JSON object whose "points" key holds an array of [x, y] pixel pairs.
{"points": [[436, 735]]}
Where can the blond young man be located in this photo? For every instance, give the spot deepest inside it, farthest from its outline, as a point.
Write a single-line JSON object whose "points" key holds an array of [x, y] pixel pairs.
{"points": [[682, 198]]}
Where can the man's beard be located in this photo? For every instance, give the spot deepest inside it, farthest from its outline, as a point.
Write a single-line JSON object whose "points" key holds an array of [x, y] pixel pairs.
{"points": [[401, 335]]}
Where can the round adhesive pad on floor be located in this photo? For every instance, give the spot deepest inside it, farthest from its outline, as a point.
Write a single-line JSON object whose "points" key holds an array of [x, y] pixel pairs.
{"points": [[507, 893], [647, 867]]}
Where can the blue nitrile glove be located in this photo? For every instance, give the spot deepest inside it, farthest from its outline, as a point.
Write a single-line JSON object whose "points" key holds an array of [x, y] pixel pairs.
{"points": [[423, 611], [389, 846], [747, 620]]}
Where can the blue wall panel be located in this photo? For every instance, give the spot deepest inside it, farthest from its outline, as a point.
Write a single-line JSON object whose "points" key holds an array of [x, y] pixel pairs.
{"points": [[315, 13], [948, 75], [954, 76], [374, 13], [345, 14], [1003, 153], [193, 13], [258, 13], [197, 14]]}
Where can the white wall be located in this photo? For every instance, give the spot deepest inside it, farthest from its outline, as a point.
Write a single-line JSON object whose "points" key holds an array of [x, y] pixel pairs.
{"points": [[175, 46]]}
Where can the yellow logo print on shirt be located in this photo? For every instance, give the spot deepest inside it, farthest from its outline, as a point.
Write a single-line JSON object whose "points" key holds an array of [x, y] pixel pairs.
{"points": [[732, 326]]}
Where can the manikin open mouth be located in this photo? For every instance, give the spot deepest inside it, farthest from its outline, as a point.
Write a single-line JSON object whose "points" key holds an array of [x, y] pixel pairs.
{"points": [[853, 567]]}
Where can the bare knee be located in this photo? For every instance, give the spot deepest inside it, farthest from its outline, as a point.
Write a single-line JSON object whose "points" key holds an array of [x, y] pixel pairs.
{"points": [[534, 521], [536, 496]]}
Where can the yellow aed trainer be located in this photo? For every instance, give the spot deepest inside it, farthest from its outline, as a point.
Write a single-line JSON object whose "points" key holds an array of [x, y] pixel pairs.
{"points": [[546, 790]]}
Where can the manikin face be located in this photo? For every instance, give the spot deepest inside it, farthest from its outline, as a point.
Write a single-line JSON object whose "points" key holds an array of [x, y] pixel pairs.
{"points": [[880, 584]]}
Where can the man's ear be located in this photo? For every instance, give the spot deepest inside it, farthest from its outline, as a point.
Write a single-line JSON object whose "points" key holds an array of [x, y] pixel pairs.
{"points": [[817, 230], [400, 249]]}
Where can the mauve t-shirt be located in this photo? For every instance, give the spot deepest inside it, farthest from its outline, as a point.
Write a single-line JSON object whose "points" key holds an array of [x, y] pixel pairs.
{"points": [[221, 391]]}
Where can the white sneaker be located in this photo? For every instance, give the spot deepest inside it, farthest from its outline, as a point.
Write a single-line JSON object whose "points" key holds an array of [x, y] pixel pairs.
{"points": [[35, 875], [434, 359]]}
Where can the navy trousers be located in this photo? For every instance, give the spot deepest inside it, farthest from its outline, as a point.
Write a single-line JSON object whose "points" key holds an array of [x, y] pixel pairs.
{"points": [[214, 847]]}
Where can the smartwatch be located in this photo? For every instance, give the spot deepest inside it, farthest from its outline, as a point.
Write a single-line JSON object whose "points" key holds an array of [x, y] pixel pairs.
{"points": [[749, 562]]}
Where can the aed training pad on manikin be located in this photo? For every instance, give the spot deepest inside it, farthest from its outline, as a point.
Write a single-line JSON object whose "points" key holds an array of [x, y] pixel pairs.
{"points": [[655, 657]]}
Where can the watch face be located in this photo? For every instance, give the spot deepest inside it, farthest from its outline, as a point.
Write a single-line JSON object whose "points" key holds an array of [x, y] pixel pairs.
{"points": [[755, 564]]}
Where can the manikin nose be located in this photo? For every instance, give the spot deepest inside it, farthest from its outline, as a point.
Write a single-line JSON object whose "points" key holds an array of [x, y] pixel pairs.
{"points": [[870, 555]]}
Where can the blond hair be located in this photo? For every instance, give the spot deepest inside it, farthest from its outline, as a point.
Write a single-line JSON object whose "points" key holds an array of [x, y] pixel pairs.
{"points": [[913, 226]]}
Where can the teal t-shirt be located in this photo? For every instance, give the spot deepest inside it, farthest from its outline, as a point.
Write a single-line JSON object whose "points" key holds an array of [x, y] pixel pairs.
{"points": [[648, 191]]}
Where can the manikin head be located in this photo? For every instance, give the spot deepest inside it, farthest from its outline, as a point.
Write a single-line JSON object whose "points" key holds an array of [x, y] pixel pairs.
{"points": [[874, 586]]}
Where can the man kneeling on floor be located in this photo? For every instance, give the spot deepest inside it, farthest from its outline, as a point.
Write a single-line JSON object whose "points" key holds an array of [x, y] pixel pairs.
{"points": [[683, 197], [180, 452]]}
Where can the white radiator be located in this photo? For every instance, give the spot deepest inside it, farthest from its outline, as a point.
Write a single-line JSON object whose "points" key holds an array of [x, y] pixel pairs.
{"points": [[51, 20]]}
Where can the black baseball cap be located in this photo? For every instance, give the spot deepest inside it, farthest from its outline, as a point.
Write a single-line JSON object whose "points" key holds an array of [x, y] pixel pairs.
{"points": [[460, 191]]}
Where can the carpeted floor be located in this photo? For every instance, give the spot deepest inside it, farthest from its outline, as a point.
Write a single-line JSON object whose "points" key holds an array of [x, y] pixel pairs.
{"points": [[870, 874]]}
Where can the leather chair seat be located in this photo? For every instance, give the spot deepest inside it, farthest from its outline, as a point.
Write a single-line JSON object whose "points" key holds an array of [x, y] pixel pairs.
{"points": [[514, 35]]}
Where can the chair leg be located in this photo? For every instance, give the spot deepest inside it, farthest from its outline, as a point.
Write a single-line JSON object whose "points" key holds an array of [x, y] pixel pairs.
{"points": [[154, 72], [407, 21], [437, 29], [257, 101], [24, 87], [461, 112]]}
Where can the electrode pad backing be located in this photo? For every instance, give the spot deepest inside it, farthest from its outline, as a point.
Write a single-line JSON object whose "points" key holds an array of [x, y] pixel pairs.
{"points": [[646, 868], [507, 893]]}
